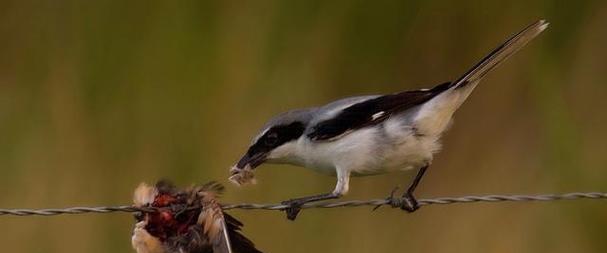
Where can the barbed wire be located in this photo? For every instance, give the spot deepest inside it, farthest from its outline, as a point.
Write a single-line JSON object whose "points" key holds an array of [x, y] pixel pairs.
{"points": [[349, 203]]}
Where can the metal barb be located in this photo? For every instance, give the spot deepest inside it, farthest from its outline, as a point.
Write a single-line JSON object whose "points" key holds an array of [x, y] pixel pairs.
{"points": [[349, 203]]}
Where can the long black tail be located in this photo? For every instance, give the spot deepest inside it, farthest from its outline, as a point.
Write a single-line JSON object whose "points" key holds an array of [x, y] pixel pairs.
{"points": [[501, 53]]}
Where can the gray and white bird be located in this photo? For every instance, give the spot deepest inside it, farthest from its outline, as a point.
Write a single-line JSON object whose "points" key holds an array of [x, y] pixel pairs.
{"points": [[368, 135]]}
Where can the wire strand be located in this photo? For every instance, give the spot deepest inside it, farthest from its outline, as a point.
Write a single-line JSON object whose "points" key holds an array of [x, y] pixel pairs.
{"points": [[349, 203]]}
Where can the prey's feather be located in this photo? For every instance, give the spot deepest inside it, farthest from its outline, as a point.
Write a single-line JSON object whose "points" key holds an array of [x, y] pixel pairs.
{"points": [[189, 221]]}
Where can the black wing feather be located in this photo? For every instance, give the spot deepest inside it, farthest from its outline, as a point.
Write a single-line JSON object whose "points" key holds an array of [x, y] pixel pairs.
{"points": [[365, 113], [239, 243], [361, 114]]}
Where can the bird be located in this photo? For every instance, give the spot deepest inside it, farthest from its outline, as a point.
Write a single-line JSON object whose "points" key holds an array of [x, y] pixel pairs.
{"points": [[369, 135], [187, 221]]}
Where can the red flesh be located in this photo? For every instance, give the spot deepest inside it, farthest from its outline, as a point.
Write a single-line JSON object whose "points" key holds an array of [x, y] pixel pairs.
{"points": [[164, 224]]}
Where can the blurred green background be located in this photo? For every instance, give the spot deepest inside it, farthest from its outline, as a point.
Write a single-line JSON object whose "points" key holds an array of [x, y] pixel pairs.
{"points": [[97, 96]]}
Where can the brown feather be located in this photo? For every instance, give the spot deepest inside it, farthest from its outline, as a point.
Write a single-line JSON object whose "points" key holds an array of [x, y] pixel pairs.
{"points": [[190, 221]]}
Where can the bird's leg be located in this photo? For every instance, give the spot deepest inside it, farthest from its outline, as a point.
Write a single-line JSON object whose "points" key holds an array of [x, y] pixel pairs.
{"points": [[341, 188], [409, 203]]}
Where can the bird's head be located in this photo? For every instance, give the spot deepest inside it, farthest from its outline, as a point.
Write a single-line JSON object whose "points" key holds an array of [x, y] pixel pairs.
{"points": [[275, 143]]}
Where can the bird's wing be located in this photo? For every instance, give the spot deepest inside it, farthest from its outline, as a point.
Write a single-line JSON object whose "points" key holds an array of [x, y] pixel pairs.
{"points": [[375, 110], [370, 112]]}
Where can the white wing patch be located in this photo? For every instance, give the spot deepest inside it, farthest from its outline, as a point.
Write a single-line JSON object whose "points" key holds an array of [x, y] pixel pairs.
{"points": [[377, 115]]}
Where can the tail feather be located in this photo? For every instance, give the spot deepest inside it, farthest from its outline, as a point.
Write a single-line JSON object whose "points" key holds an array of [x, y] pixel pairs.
{"points": [[501, 53], [435, 115]]}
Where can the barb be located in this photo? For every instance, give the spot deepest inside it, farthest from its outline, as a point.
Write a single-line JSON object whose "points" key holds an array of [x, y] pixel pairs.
{"points": [[350, 203]]}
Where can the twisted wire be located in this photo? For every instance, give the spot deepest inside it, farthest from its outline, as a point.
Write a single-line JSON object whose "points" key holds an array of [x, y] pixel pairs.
{"points": [[349, 203]]}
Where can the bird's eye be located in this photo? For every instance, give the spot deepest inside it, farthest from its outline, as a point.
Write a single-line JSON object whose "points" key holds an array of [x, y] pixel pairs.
{"points": [[271, 139]]}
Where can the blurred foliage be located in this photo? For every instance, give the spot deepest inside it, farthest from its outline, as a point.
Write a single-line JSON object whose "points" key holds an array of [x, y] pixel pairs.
{"points": [[97, 96]]}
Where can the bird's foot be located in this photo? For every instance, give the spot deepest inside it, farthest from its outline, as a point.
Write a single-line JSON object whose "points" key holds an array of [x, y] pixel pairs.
{"points": [[294, 207], [407, 202]]}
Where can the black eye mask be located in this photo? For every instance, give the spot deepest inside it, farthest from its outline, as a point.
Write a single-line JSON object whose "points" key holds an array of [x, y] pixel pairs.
{"points": [[277, 136]]}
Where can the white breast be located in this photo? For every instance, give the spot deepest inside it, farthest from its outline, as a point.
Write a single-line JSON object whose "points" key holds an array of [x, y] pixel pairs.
{"points": [[387, 147]]}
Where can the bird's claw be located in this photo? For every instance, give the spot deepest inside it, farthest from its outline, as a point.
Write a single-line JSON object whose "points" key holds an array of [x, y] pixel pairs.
{"points": [[293, 209], [407, 202]]}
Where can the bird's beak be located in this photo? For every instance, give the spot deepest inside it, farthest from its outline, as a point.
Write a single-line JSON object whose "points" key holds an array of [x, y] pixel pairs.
{"points": [[249, 162]]}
